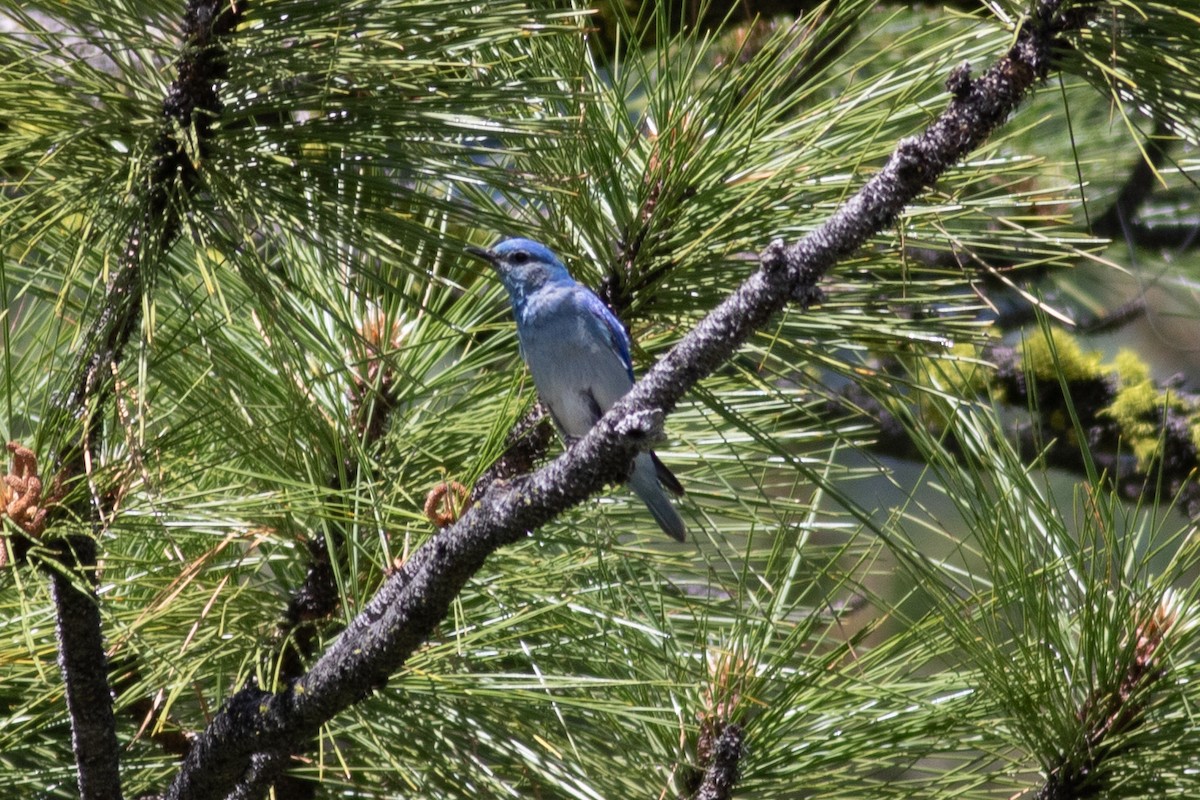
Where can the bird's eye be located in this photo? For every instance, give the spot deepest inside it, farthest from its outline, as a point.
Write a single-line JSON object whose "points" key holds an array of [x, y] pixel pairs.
{"points": [[520, 257]]}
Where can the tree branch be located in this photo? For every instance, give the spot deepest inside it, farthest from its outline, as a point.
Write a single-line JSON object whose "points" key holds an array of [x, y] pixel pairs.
{"points": [[83, 665], [401, 616], [372, 396], [721, 773], [190, 105], [1118, 220], [1138, 432]]}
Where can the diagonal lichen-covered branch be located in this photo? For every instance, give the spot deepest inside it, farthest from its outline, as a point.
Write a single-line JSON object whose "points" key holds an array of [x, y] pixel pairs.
{"points": [[255, 724]]}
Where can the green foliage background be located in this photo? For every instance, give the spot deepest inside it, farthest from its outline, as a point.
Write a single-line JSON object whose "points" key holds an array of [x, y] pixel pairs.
{"points": [[869, 650]]}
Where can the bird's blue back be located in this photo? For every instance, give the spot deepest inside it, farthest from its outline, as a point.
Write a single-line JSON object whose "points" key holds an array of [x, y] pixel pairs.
{"points": [[542, 288]]}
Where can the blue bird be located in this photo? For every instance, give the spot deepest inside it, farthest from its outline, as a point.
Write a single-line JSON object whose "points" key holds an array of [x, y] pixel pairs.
{"points": [[578, 353]]}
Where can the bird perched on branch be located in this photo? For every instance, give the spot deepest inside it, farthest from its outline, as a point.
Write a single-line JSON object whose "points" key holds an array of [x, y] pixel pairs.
{"points": [[578, 353]]}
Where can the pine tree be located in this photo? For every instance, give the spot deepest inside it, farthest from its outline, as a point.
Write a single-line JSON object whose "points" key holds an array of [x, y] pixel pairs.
{"points": [[281, 503]]}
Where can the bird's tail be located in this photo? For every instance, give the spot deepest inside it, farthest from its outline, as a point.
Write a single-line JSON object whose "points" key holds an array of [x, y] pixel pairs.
{"points": [[645, 484]]}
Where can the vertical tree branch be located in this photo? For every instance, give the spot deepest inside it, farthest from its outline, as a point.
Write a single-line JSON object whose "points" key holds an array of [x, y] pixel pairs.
{"points": [[372, 396], [724, 762], [190, 106], [82, 661]]}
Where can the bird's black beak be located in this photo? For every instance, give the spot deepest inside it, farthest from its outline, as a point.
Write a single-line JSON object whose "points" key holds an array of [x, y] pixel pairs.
{"points": [[481, 254]]}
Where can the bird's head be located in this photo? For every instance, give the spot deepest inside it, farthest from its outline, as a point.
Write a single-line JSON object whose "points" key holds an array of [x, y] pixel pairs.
{"points": [[524, 265]]}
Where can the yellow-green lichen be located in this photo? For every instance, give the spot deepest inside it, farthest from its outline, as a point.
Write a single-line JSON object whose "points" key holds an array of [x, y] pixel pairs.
{"points": [[1134, 409], [1060, 355], [1131, 369], [1139, 406]]}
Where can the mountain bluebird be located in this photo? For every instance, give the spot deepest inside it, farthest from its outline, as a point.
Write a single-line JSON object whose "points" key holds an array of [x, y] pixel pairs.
{"points": [[578, 353]]}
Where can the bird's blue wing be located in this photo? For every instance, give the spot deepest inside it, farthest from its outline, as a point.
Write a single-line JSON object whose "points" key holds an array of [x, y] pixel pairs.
{"points": [[616, 331]]}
